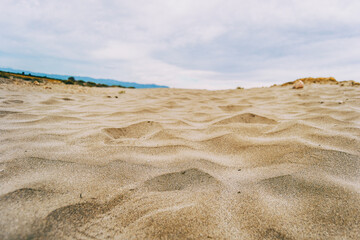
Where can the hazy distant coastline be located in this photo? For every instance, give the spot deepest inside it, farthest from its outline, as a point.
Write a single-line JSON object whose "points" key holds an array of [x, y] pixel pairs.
{"points": [[86, 79]]}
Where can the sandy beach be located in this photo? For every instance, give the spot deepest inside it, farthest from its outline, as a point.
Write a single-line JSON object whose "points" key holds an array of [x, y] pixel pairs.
{"points": [[96, 163]]}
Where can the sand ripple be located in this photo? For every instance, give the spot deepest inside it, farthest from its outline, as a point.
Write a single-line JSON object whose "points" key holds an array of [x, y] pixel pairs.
{"points": [[268, 163]]}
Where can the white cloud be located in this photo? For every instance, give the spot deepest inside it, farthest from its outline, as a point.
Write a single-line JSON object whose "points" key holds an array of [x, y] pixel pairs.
{"points": [[121, 51], [193, 44]]}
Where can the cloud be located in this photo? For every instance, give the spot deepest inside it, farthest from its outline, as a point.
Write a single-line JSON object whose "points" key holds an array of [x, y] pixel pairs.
{"points": [[121, 51], [192, 44]]}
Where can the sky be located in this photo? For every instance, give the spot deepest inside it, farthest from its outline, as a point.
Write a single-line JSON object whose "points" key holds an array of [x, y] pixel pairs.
{"points": [[204, 44]]}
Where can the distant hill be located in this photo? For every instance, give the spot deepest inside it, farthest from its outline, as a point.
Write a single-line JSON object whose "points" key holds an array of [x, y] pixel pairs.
{"points": [[86, 79], [323, 80]]}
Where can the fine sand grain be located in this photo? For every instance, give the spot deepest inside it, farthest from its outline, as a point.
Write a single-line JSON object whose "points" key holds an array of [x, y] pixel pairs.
{"points": [[95, 163]]}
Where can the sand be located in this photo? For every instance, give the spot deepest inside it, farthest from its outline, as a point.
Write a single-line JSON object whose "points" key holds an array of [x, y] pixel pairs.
{"points": [[265, 163]]}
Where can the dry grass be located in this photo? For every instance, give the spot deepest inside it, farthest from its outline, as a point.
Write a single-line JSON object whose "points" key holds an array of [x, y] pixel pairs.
{"points": [[310, 80]]}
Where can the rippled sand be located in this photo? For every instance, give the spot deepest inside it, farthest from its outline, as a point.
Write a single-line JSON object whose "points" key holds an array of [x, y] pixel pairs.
{"points": [[267, 163]]}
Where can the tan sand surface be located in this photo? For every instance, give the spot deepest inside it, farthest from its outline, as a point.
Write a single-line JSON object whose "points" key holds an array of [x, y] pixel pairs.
{"points": [[265, 163]]}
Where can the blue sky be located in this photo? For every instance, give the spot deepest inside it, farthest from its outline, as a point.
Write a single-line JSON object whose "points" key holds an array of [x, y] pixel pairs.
{"points": [[186, 44]]}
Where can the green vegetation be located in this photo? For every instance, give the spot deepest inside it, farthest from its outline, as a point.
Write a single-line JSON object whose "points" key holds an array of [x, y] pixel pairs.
{"points": [[4, 75], [68, 82], [41, 79]]}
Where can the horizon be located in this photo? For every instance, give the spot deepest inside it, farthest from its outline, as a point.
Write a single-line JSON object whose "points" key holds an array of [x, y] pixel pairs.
{"points": [[203, 45], [129, 84]]}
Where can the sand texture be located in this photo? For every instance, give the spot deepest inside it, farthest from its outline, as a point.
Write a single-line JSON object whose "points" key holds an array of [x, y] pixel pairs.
{"points": [[266, 163]]}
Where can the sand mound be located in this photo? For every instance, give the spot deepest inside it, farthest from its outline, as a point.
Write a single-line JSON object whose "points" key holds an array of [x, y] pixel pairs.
{"points": [[265, 163], [247, 118], [186, 179], [22, 194], [135, 130]]}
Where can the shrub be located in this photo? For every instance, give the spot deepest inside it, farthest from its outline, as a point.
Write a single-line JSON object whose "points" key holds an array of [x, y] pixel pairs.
{"points": [[4, 75], [91, 84], [80, 82], [69, 82]]}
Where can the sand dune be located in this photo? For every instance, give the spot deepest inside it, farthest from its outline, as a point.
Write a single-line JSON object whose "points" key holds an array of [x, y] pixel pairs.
{"points": [[265, 163], [247, 118]]}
